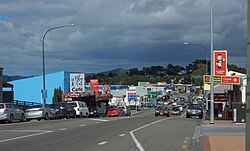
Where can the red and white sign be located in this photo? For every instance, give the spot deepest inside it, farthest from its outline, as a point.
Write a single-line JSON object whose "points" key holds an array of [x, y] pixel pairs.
{"points": [[220, 62], [94, 86], [230, 80]]}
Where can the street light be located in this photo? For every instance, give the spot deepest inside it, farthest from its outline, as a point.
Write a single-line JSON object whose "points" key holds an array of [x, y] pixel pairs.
{"points": [[199, 45], [44, 91]]}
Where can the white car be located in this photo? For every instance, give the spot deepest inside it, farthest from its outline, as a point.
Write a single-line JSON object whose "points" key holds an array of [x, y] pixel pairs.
{"points": [[80, 108], [180, 107]]}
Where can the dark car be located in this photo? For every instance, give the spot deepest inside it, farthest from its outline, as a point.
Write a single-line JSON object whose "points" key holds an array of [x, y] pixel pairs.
{"points": [[162, 111], [96, 112], [194, 110], [59, 111], [65, 109]]}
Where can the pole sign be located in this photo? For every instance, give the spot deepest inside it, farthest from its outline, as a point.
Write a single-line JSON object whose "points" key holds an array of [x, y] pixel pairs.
{"points": [[206, 79], [131, 93], [230, 80], [94, 86], [77, 82], [44, 93], [220, 62]]}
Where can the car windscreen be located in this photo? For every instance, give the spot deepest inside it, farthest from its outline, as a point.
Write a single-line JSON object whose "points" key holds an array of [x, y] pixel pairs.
{"points": [[175, 109], [194, 107], [73, 104], [92, 109], [35, 106], [1, 106], [121, 107]]}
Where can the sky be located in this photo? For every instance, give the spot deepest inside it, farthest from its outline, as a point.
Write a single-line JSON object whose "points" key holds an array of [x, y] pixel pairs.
{"points": [[110, 34]]}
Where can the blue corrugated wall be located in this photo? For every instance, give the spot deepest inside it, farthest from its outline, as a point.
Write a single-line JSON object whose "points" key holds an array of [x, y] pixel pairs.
{"points": [[30, 89]]}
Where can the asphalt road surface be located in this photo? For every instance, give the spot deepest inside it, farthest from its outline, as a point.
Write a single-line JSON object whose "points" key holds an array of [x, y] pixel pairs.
{"points": [[137, 133]]}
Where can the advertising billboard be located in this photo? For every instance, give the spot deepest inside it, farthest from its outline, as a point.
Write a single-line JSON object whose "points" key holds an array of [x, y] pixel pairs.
{"points": [[230, 80], [220, 63], [94, 86], [77, 82]]}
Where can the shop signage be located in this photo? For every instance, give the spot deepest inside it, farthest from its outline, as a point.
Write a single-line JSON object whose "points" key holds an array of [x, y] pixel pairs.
{"points": [[131, 93], [220, 63], [206, 79], [230, 80], [77, 82], [94, 86]]}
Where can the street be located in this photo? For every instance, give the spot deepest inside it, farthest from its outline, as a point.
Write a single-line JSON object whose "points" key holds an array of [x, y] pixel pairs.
{"points": [[140, 132]]}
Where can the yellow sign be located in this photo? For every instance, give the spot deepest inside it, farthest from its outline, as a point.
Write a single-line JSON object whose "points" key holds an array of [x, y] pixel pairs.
{"points": [[206, 79], [206, 87]]}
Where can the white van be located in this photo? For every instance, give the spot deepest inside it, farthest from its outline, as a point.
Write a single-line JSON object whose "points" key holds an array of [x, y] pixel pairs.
{"points": [[80, 108]]}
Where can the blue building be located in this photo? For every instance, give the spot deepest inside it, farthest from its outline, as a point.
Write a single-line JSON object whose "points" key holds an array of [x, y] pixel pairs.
{"points": [[29, 89]]}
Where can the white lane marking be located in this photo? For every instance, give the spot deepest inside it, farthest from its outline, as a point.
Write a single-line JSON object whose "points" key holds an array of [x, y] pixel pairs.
{"points": [[82, 125], [184, 114], [101, 120], [25, 136], [139, 146], [102, 143], [62, 129], [197, 132], [122, 135], [26, 131], [97, 122]]}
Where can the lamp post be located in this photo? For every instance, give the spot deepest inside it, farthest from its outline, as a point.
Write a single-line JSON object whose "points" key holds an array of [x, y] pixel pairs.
{"points": [[44, 91], [199, 45], [212, 66]]}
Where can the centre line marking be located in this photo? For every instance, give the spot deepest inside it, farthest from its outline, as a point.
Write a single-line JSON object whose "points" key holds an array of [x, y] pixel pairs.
{"points": [[139, 146], [122, 135], [82, 125], [102, 143], [62, 129], [97, 122]]}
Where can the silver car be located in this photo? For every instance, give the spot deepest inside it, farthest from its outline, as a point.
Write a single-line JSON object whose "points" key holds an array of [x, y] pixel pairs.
{"points": [[10, 112], [42, 111]]}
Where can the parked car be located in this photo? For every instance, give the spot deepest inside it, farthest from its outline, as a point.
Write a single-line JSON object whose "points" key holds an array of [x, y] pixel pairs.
{"points": [[10, 112], [126, 109], [58, 110], [80, 108], [114, 112], [176, 111], [96, 112], [194, 110], [42, 111], [67, 110], [162, 111]]}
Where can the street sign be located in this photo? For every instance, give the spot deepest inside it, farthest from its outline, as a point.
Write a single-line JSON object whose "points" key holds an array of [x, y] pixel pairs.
{"points": [[206, 79], [152, 95], [44, 93], [230, 80]]}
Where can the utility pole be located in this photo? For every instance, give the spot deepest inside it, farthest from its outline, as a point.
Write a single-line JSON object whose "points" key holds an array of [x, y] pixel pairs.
{"points": [[248, 80]]}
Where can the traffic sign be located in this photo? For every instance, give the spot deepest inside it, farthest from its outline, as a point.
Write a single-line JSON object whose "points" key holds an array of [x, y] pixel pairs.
{"points": [[230, 80], [44, 93]]}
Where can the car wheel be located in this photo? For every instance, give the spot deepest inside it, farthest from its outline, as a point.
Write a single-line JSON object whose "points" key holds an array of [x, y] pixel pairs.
{"points": [[2, 122], [46, 116], [81, 115], [87, 115], [23, 119], [68, 116], [187, 116], [56, 116], [200, 117], [28, 120], [11, 118]]}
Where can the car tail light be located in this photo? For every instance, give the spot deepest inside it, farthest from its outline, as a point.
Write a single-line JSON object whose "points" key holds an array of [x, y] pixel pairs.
{"points": [[5, 110], [78, 109], [40, 109], [27, 110]]}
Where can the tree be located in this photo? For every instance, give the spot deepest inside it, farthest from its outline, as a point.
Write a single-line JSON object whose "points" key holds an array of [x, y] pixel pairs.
{"points": [[57, 95]]}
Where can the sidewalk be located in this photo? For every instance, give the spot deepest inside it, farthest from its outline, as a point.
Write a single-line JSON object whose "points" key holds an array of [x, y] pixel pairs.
{"points": [[223, 135]]}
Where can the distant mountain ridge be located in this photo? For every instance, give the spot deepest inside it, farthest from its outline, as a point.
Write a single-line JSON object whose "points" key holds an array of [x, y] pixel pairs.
{"points": [[12, 78]]}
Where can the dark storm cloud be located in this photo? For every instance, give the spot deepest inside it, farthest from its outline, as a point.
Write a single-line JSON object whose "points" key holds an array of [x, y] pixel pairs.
{"points": [[116, 33]]}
